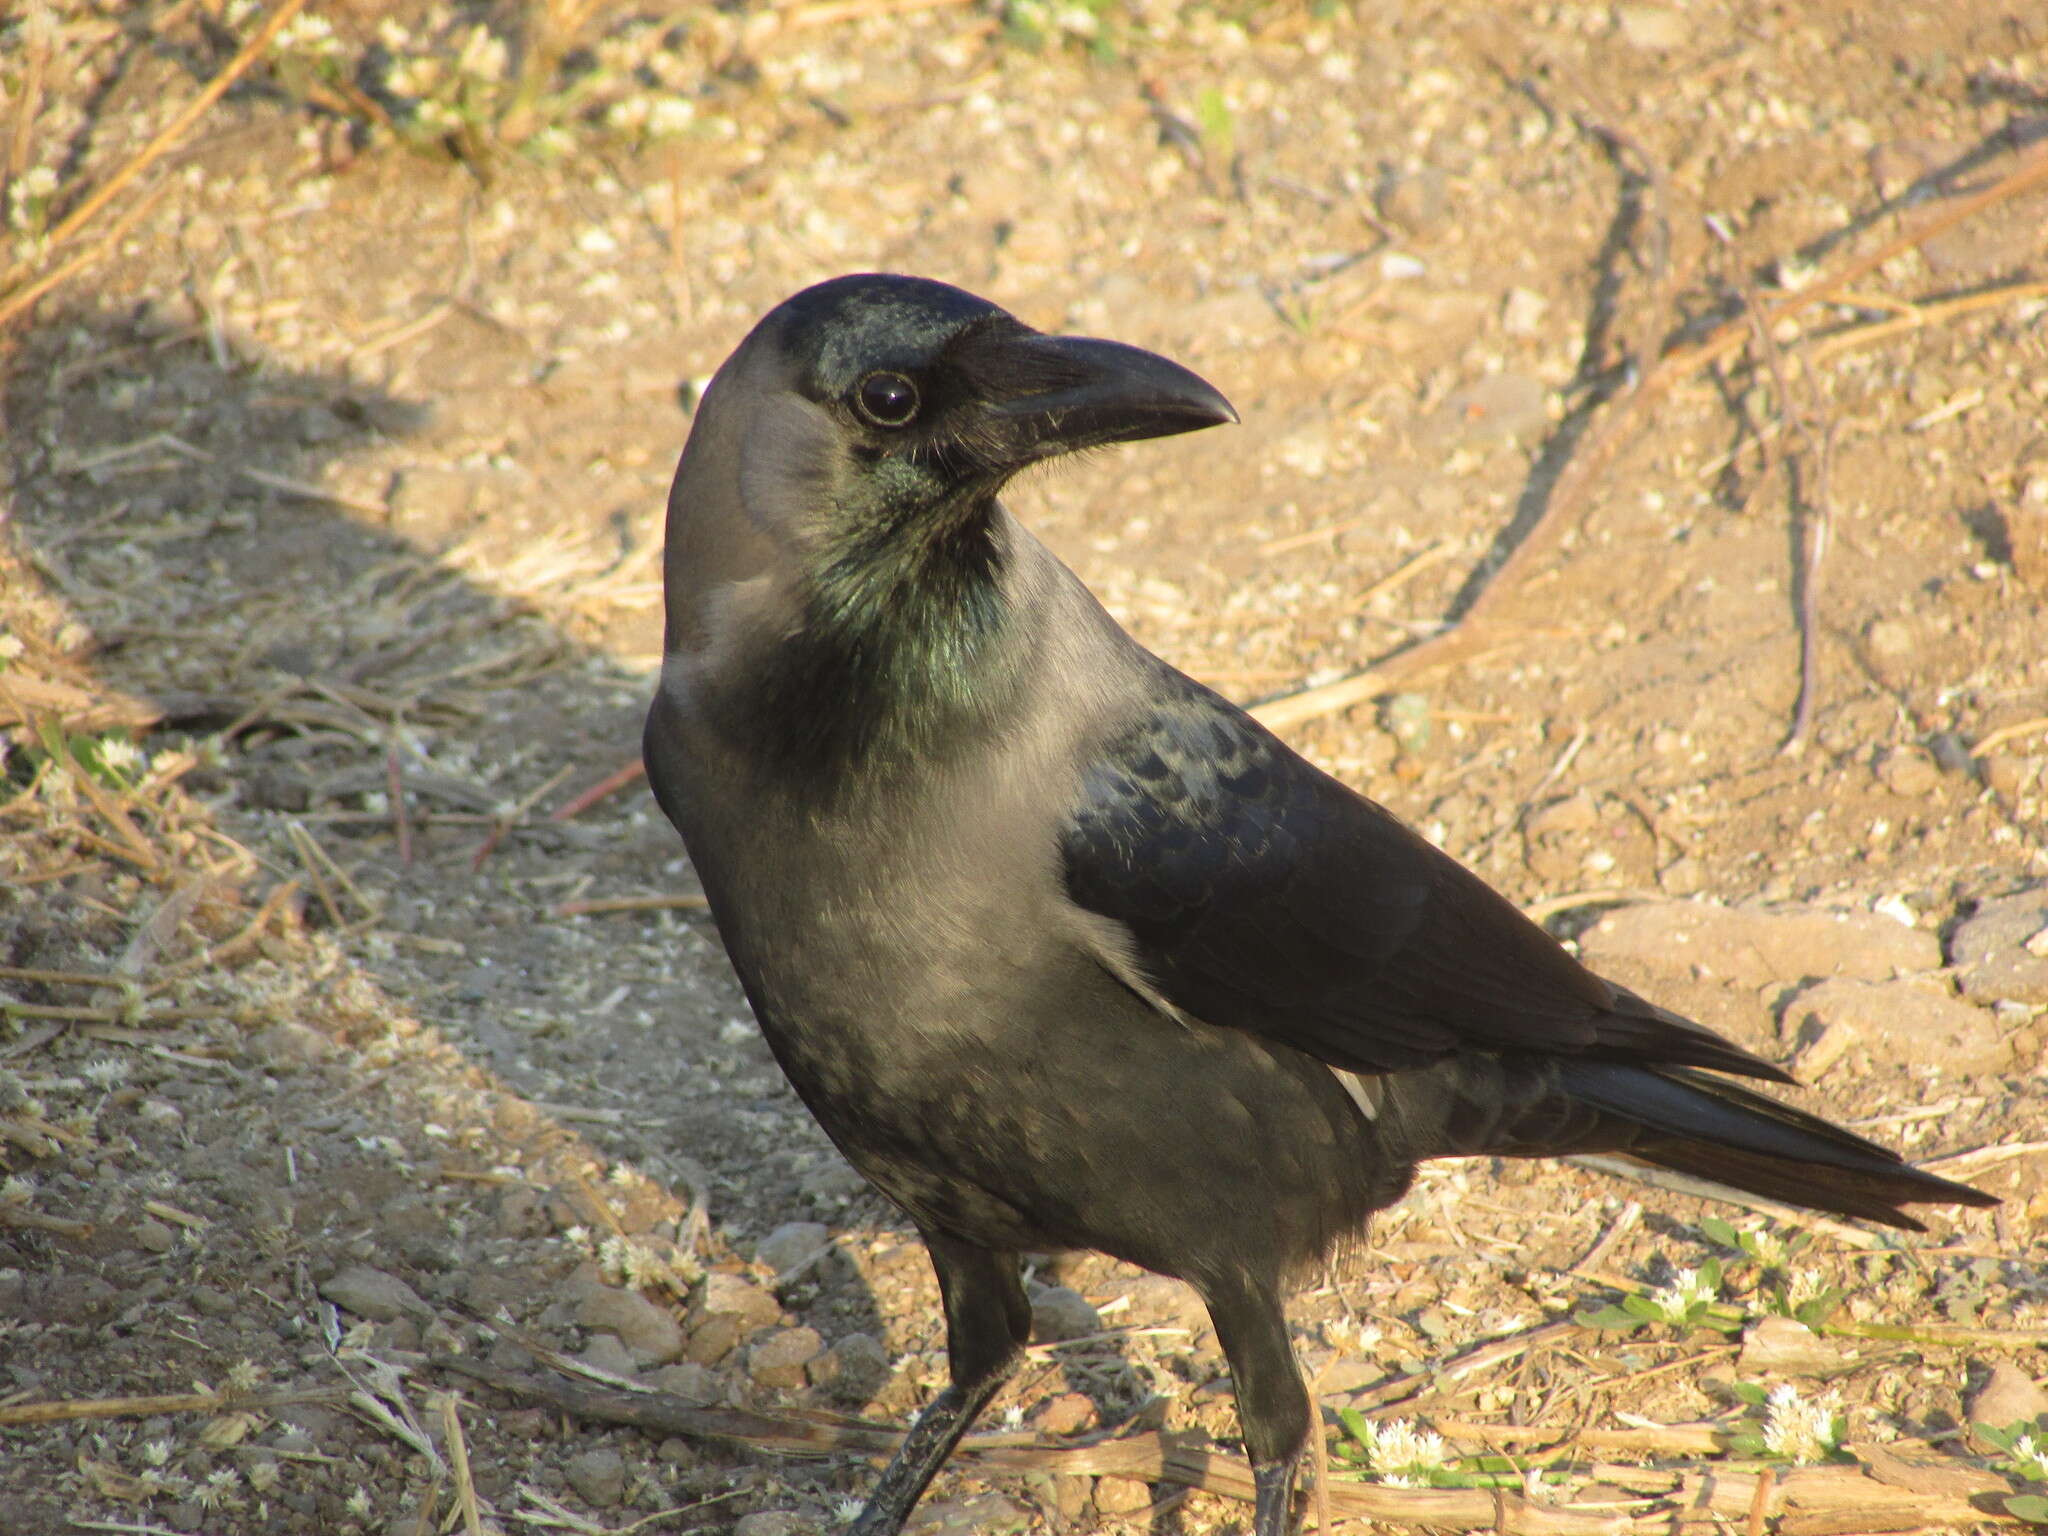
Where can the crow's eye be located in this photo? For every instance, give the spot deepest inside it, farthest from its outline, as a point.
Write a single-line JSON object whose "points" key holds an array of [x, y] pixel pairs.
{"points": [[887, 399]]}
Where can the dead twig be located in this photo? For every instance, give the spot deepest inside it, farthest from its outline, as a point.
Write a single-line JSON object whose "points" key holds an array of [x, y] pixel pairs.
{"points": [[500, 825], [2005, 733], [1807, 434], [610, 784], [1816, 530], [597, 906], [35, 1221], [60, 1410], [1760, 1502], [218, 954], [1623, 412], [1153, 1458], [65, 978], [305, 490], [401, 827]]}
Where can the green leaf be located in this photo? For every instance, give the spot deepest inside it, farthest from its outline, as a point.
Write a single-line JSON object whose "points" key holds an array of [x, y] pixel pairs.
{"points": [[1816, 1311], [1719, 1231], [1607, 1317], [1710, 1272], [2031, 1507], [1643, 1308], [2002, 1438], [1218, 125], [1488, 1464], [1750, 1393], [1356, 1426]]}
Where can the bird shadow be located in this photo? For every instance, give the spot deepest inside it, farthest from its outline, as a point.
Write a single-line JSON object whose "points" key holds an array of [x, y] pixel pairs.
{"points": [[163, 481]]}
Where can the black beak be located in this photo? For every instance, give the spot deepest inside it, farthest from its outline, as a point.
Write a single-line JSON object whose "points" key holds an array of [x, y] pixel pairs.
{"points": [[1077, 392]]}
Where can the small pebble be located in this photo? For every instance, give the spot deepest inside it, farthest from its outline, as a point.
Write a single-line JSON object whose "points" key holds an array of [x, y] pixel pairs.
{"points": [[599, 1476], [1058, 1312], [372, 1294], [779, 1359], [792, 1243]]}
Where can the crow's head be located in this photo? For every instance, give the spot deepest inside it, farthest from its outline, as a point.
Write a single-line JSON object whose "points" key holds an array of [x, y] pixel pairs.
{"points": [[876, 408], [836, 556]]}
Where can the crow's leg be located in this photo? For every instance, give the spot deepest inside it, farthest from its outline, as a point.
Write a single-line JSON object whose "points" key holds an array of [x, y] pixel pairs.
{"points": [[987, 1323], [1272, 1404]]}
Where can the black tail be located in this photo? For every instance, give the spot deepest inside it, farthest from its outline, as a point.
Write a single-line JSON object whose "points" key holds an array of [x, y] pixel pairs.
{"points": [[1680, 1118], [1698, 1124]]}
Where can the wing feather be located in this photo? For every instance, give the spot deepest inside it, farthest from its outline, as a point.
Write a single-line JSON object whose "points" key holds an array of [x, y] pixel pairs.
{"points": [[1262, 894]]}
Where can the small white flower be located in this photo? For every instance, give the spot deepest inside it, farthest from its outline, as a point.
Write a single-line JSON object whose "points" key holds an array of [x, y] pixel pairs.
{"points": [[393, 35], [156, 1452], [11, 647], [483, 55], [2030, 1459], [306, 34], [1802, 1285], [1797, 1430], [415, 76], [669, 116], [436, 117], [1686, 1291], [359, 1504], [1403, 1456], [107, 1071], [219, 1488]]}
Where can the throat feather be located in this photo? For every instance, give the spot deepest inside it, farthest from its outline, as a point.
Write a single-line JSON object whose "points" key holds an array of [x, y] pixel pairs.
{"points": [[902, 648]]}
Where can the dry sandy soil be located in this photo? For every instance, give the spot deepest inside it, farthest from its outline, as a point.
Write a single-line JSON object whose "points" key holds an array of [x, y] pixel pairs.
{"points": [[334, 484]]}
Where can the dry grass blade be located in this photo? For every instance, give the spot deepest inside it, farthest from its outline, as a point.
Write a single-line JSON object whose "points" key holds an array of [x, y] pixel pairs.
{"points": [[458, 1461], [169, 135], [1914, 317], [38, 25]]}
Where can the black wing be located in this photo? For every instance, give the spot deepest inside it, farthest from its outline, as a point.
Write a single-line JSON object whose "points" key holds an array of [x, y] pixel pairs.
{"points": [[1264, 895]]}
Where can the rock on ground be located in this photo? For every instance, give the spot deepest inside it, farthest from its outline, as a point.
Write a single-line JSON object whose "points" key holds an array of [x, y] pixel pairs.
{"points": [[644, 1326], [1753, 946], [1059, 1312], [372, 1294], [1912, 1021], [2002, 950], [598, 1476]]}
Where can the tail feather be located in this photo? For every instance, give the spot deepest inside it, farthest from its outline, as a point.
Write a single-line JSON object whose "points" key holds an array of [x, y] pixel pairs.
{"points": [[1680, 1118], [1696, 1124]]}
